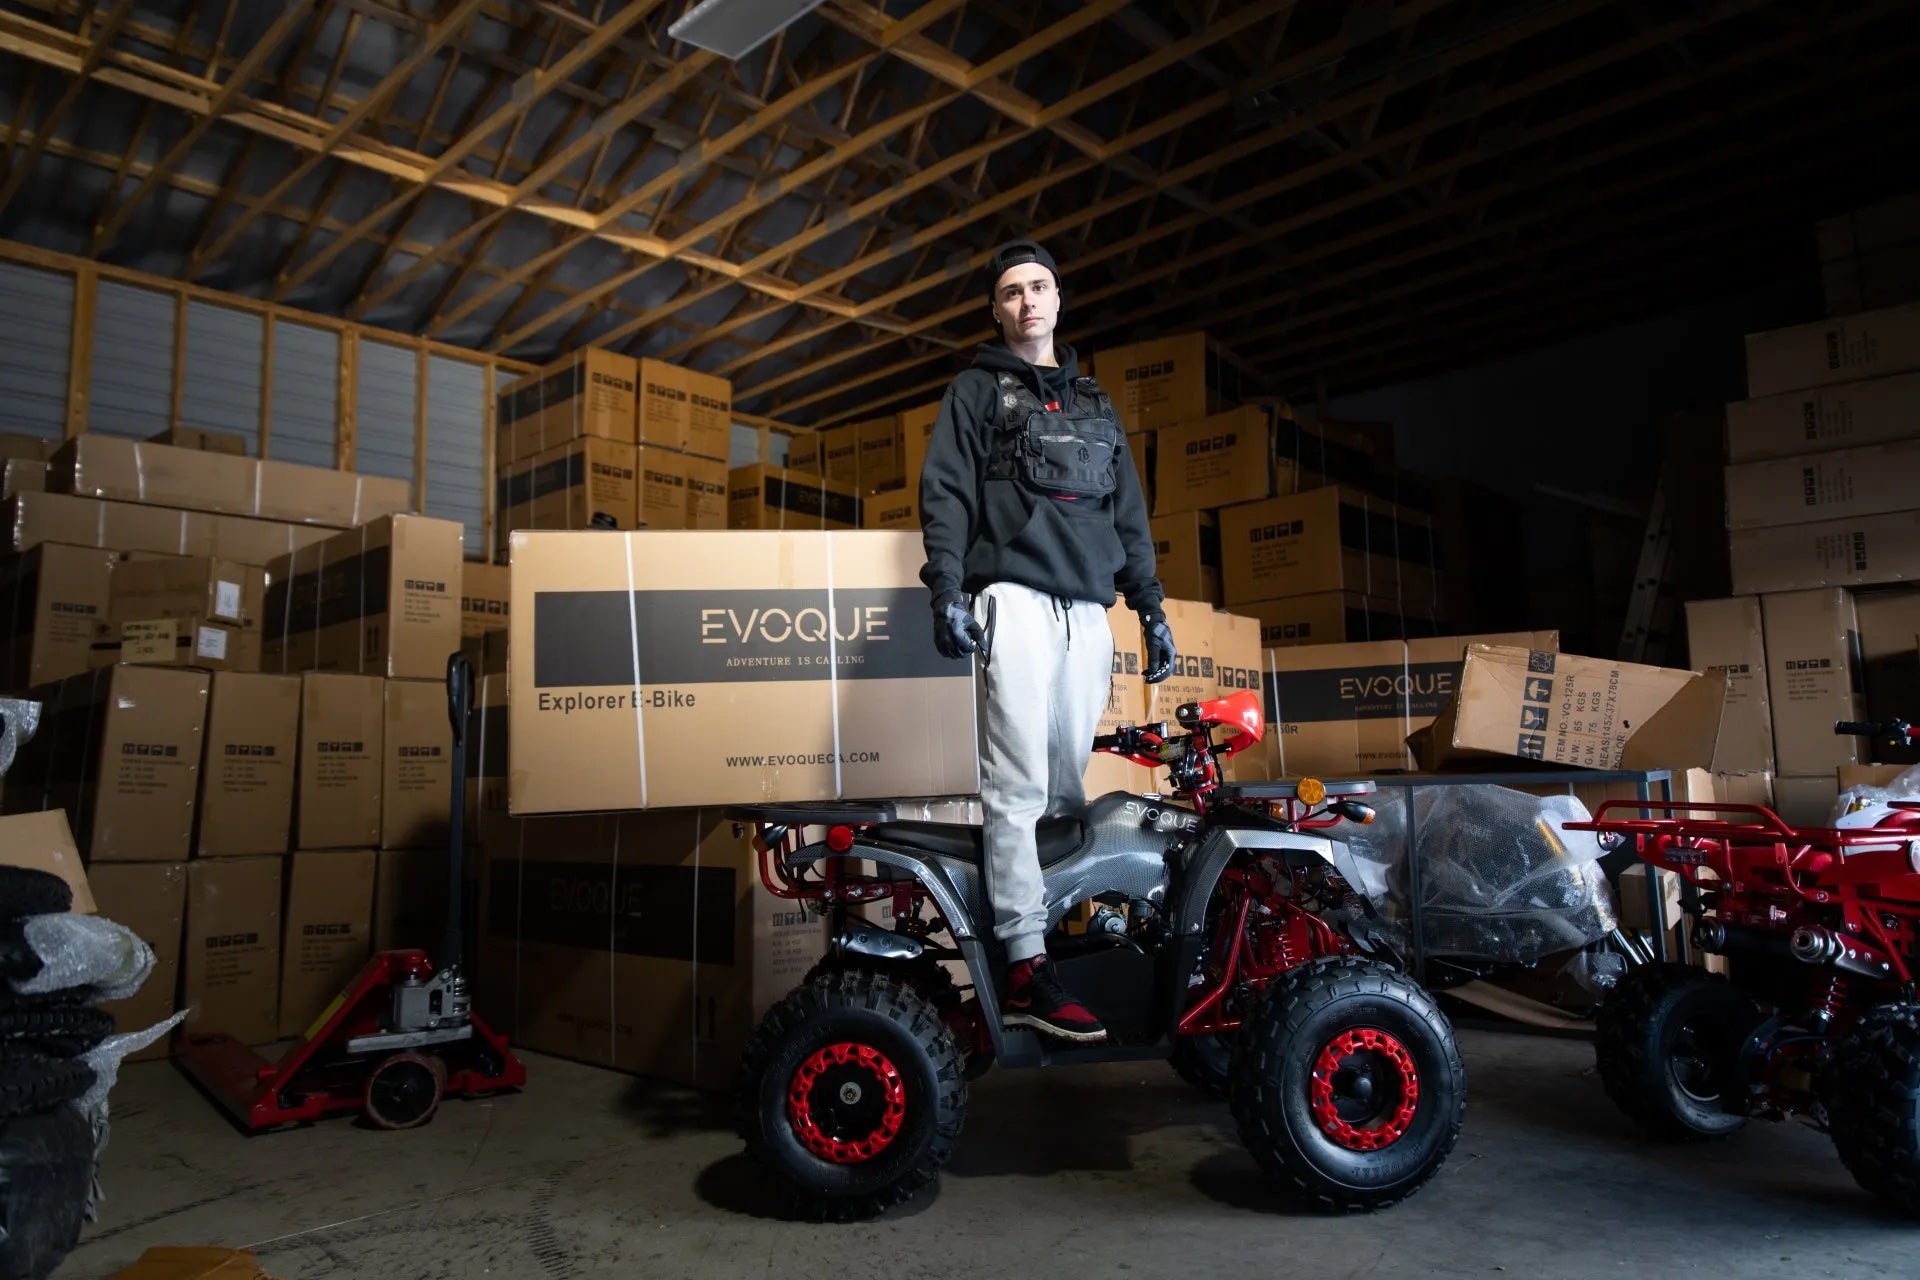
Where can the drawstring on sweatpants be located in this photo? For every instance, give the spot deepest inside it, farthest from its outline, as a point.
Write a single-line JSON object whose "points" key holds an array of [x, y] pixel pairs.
{"points": [[1061, 603]]}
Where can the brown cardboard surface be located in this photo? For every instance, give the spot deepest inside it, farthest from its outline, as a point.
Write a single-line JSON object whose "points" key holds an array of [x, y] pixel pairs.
{"points": [[684, 409], [806, 452], [58, 594], [706, 493], [14, 444], [1126, 705], [23, 475], [589, 393], [118, 469], [149, 898], [247, 779], [1867, 775], [382, 599], [188, 587], [1238, 665], [193, 1262], [840, 454], [33, 518], [123, 746], [410, 899], [1186, 551], [232, 947], [1193, 678], [204, 440], [191, 641], [916, 430], [1854, 552], [1159, 382], [892, 509], [761, 497], [1840, 484], [744, 690], [1333, 617], [328, 932], [882, 461], [1806, 802], [483, 597], [43, 841], [1888, 620], [1328, 539], [1220, 460], [1727, 634], [1842, 349], [416, 790], [342, 752], [661, 501], [1814, 678], [1846, 415], [567, 486]]}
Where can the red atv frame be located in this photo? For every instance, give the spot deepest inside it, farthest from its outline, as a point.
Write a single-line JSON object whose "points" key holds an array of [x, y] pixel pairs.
{"points": [[1818, 1018]]}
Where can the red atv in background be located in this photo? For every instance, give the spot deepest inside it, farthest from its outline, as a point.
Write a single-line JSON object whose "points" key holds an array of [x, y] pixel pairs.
{"points": [[1819, 1018], [1226, 937]]}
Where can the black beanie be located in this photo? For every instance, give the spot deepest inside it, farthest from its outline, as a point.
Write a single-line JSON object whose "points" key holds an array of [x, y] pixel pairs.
{"points": [[1017, 253]]}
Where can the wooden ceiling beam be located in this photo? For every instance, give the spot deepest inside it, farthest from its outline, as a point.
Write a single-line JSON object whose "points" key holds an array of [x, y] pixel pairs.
{"points": [[99, 42]]}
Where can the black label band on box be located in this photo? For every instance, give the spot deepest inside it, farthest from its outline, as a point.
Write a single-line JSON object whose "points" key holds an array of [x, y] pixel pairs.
{"points": [[1386, 692], [585, 639], [338, 591], [670, 913]]}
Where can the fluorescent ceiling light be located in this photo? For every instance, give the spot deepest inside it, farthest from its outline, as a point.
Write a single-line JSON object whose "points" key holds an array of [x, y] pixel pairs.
{"points": [[734, 28]]}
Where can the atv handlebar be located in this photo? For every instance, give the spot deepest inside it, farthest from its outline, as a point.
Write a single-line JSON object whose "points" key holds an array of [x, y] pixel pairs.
{"points": [[1896, 731]]}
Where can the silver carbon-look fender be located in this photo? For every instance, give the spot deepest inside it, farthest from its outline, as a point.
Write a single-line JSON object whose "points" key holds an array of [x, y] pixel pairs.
{"points": [[1210, 857], [921, 869]]}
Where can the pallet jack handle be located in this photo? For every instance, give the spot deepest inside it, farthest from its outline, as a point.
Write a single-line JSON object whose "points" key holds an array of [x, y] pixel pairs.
{"points": [[460, 713]]}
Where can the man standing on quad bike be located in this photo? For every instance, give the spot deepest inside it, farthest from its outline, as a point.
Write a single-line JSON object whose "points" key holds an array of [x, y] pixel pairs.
{"points": [[1032, 517]]}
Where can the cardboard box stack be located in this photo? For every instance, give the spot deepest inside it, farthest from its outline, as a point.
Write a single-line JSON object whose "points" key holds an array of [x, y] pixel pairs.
{"points": [[1871, 257]]}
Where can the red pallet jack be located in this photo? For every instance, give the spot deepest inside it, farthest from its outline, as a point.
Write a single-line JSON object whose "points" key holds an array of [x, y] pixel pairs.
{"points": [[400, 1037]]}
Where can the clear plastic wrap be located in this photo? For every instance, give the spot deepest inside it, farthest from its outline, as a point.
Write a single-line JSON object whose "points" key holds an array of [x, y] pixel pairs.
{"points": [[1502, 879], [85, 951], [19, 720], [1904, 787]]}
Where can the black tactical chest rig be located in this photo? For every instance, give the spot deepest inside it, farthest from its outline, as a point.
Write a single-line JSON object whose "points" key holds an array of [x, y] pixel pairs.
{"points": [[1072, 452]]}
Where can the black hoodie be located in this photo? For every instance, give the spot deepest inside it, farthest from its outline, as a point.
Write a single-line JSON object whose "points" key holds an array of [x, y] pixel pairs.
{"points": [[979, 531]]}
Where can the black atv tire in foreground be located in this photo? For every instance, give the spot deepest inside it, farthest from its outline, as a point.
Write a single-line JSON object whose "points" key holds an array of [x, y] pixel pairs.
{"points": [[1347, 1084], [1869, 1096], [1666, 1042]]}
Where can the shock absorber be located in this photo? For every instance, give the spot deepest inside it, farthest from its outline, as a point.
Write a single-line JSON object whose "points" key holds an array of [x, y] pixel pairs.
{"points": [[1830, 1002]]}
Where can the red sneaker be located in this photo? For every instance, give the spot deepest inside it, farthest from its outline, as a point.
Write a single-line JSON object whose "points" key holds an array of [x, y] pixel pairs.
{"points": [[1036, 999]]}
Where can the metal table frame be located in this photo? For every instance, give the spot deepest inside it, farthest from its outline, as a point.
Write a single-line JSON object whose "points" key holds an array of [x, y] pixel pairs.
{"points": [[1643, 781]]}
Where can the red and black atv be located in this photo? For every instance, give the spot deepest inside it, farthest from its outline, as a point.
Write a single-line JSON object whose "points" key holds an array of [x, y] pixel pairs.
{"points": [[1818, 1017], [1224, 935]]}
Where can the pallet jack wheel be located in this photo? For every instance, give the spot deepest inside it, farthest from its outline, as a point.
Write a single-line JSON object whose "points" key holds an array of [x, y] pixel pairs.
{"points": [[404, 1090]]}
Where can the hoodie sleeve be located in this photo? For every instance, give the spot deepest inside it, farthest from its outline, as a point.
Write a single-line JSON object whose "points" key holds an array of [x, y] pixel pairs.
{"points": [[1136, 580], [950, 489]]}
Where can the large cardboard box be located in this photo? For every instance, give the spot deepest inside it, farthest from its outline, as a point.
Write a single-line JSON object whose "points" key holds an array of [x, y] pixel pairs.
{"points": [[58, 594], [232, 970], [328, 932], [662, 501], [1336, 617], [416, 789], [1727, 635], [14, 444], [686, 410], [916, 431], [1814, 678], [761, 497], [1855, 552], [192, 641], [569, 487], [42, 841], [1328, 539], [247, 779], [881, 458], [231, 442], [1348, 709], [117, 469], [1890, 669], [1806, 802], [1127, 704], [410, 899], [643, 942], [1220, 460], [1848, 415], [1536, 704], [1842, 484], [767, 666], [706, 492], [1162, 381], [1870, 257], [1193, 677], [839, 455], [122, 751], [200, 587], [1186, 551], [589, 393], [1843, 349], [483, 597], [22, 475], [33, 518], [1238, 665], [149, 898], [892, 509], [341, 762], [382, 599]]}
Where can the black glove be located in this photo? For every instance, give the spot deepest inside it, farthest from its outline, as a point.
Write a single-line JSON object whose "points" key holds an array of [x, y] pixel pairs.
{"points": [[1160, 651], [956, 632]]}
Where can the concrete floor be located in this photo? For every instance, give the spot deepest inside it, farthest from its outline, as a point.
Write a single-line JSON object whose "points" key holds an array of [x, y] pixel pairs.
{"points": [[590, 1174]]}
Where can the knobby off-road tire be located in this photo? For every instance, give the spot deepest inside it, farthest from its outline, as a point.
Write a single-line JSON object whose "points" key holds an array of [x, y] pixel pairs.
{"points": [[1666, 1042], [883, 1079], [1298, 1095], [58, 1030], [31, 1082], [928, 978], [1205, 1062], [1872, 1094]]}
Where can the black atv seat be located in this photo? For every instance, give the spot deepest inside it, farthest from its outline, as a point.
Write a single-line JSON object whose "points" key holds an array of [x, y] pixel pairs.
{"points": [[1058, 838]]}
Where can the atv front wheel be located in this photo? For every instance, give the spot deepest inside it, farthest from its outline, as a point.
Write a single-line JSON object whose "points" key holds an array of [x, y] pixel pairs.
{"points": [[852, 1093], [1869, 1097], [1667, 1041], [1348, 1085]]}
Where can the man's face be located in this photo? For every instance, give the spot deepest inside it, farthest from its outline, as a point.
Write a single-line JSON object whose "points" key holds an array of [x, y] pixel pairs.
{"points": [[1026, 304]]}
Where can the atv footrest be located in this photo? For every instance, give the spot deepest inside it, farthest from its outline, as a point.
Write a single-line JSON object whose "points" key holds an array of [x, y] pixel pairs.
{"points": [[824, 813]]}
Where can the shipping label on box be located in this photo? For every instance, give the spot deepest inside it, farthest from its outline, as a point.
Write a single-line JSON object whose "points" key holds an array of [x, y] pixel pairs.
{"points": [[1844, 349], [232, 947], [1847, 415], [124, 748], [765, 667], [149, 898], [1186, 551], [382, 599], [1831, 553], [1842, 484], [706, 493], [341, 761], [247, 782], [177, 642], [215, 590], [663, 501], [416, 791], [772, 498], [59, 595], [1814, 679], [1726, 635], [328, 932], [686, 410]]}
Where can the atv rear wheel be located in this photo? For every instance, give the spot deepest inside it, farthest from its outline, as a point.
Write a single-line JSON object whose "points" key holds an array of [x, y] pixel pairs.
{"points": [[1869, 1095], [1347, 1084], [931, 980], [1667, 1041], [1205, 1062], [852, 1093]]}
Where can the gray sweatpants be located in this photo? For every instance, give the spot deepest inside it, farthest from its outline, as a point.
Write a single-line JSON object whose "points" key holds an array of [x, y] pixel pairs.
{"points": [[1042, 696]]}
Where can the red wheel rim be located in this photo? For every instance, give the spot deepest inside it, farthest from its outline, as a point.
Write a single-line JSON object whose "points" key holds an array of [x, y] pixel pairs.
{"points": [[846, 1103], [1365, 1090]]}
